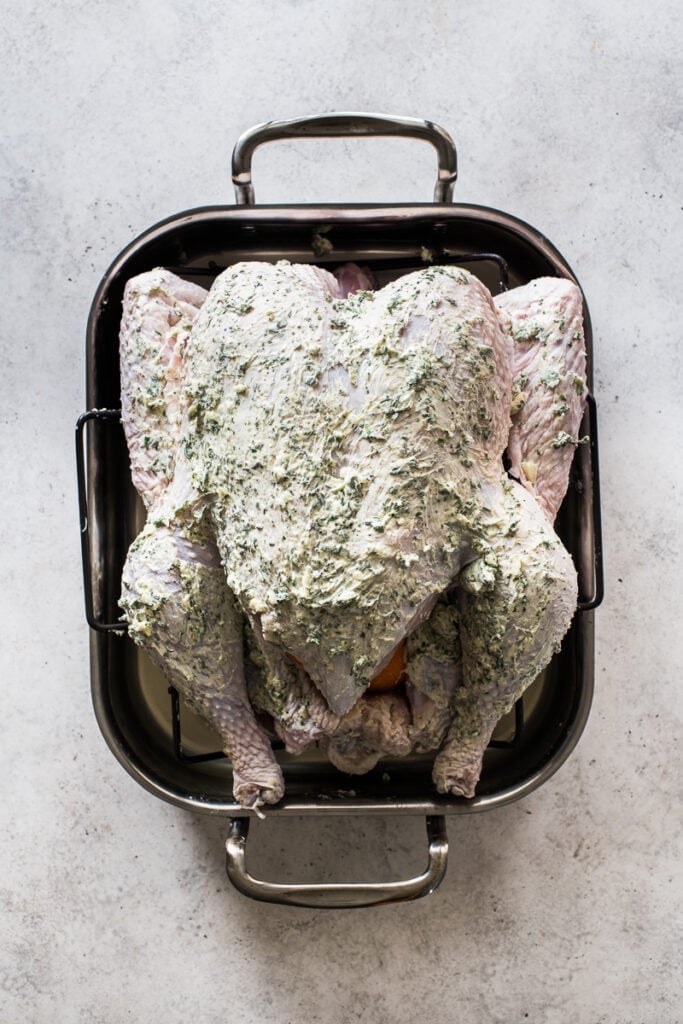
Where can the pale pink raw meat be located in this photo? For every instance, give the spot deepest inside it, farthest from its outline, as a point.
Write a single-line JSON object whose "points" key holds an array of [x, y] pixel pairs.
{"points": [[544, 322]]}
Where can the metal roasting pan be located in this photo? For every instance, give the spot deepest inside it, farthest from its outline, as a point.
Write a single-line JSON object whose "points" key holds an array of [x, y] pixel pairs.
{"points": [[163, 745]]}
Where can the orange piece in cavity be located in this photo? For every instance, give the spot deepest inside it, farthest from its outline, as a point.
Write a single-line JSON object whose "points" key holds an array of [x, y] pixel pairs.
{"points": [[392, 673], [390, 676]]}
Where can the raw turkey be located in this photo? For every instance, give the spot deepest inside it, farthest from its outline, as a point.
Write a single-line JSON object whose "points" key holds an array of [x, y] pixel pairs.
{"points": [[332, 470]]}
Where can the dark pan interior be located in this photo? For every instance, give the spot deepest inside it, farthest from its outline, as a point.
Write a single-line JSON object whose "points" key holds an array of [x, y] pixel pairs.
{"points": [[130, 697]]}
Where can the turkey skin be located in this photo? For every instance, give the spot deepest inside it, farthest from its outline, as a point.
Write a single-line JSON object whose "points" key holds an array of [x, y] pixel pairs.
{"points": [[340, 457]]}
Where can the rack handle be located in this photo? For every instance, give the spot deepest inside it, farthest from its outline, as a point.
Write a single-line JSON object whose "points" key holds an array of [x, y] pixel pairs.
{"points": [[107, 415], [337, 896], [343, 125], [596, 588]]}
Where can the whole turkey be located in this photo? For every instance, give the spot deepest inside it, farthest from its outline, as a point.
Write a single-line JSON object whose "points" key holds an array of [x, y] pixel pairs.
{"points": [[326, 490]]}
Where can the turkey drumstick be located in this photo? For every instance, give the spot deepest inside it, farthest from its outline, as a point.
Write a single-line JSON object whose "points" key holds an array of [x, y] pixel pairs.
{"points": [[512, 602], [174, 594]]}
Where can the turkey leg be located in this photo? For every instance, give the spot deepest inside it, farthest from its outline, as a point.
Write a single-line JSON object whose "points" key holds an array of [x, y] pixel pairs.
{"points": [[174, 595]]}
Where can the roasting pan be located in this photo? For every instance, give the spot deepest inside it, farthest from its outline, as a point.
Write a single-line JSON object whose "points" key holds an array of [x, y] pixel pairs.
{"points": [[156, 739]]}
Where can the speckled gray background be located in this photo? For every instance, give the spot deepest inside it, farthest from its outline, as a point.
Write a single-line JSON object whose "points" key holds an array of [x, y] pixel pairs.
{"points": [[558, 910]]}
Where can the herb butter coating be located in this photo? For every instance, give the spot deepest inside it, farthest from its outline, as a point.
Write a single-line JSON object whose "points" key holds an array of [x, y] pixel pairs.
{"points": [[342, 445]]}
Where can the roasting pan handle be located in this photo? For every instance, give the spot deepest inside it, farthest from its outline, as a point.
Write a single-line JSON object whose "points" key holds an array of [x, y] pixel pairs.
{"points": [[341, 125], [337, 896]]}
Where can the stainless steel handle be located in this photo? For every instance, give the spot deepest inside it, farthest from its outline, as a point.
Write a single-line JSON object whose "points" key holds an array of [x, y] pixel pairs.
{"points": [[342, 125], [596, 585], [102, 415], [338, 896]]}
